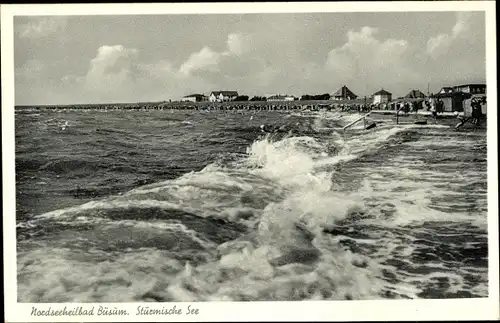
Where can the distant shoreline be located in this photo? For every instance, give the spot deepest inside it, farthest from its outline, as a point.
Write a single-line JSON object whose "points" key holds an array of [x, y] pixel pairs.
{"points": [[297, 105], [192, 105], [206, 105]]}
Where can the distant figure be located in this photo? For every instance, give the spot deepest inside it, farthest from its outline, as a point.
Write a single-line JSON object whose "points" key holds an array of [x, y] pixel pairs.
{"points": [[415, 106], [477, 114], [439, 106], [406, 108], [432, 104]]}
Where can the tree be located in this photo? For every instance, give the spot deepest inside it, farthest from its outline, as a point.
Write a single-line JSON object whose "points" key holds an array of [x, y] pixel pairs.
{"points": [[241, 98], [306, 97], [324, 96], [258, 98]]}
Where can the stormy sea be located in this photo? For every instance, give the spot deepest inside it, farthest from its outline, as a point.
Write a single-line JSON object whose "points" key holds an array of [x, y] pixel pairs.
{"points": [[145, 206]]}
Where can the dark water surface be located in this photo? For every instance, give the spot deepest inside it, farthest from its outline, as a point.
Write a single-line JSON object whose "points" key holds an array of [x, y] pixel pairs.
{"points": [[183, 206]]}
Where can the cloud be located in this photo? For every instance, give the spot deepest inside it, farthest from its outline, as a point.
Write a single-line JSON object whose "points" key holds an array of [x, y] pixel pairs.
{"points": [[42, 27], [462, 24], [246, 63], [238, 44], [162, 81], [252, 61], [110, 76], [112, 67], [117, 74], [206, 58], [366, 59], [440, 44]]}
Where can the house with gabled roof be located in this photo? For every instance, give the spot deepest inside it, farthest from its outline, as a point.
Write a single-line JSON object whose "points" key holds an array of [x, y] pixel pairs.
{"points": [[382, 96], [222, 96], [344, 94], [415, 94], [194, 98]]}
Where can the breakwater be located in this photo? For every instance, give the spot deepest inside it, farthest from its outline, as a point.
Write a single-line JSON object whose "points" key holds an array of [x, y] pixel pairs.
{"points": [[232, 105]]}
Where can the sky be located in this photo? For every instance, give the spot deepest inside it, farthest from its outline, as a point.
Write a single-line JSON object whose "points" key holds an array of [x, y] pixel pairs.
{"points": [[127, 58]]}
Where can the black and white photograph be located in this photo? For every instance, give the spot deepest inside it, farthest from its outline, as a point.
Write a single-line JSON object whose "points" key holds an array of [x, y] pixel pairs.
{"points": [[190, 157]]}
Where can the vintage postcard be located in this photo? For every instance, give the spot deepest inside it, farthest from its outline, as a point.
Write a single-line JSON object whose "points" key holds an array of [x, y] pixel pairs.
{"points": [[250, 161]]}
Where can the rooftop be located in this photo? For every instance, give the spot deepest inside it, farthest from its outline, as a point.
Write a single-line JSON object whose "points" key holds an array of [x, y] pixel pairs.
{"points": [[450, 94], [472, 84], [225, 93], [413, 94], [382, 92], [194, 95], [344, 92]]}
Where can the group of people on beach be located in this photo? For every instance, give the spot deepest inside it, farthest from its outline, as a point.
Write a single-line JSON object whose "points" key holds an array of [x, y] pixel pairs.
{"points": [[404, 106], [477, 113], [357, 107], [435, 106]]}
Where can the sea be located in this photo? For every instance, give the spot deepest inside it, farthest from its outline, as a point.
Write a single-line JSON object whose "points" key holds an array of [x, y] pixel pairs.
{"points": [[164, 206]]}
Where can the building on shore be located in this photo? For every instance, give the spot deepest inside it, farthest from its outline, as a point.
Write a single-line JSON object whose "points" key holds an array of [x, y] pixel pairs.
{"points": [[455, 98], [281, 97], [344, 94], [453, 101], [382, 96], [415, 94], [471, 88], [222, 96], [195, 98]]}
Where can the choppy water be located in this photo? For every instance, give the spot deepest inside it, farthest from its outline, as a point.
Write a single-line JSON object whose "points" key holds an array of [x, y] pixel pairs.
{"points": [[183, 206]]}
